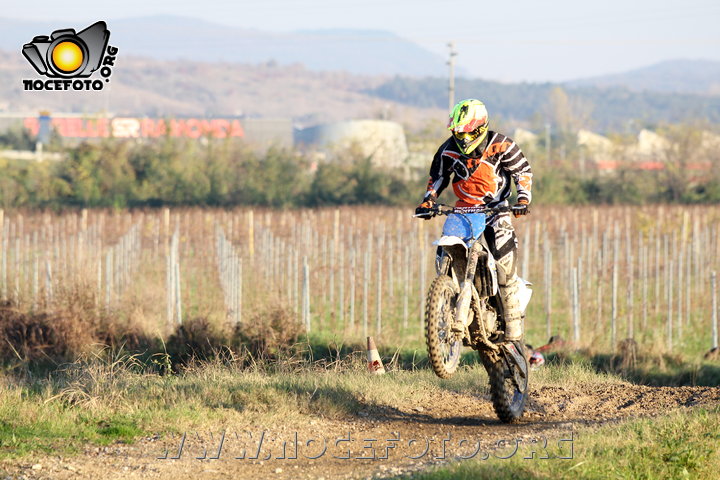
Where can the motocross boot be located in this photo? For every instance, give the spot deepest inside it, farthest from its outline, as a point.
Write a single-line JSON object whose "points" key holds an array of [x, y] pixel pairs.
{"points": [[508, 288], [511, 308]]}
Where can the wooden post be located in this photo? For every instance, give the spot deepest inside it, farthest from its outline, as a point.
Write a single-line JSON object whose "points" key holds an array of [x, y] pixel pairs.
{"points": [[306, 294], [378, 314], [178, 296], [613, 319], [5, 249], [670, 306], [423, 268], [353, 269], [406, 286], [240, 290], [108, 278], [548, 288], [366, 282], [714, 315], [575, 307], [341, 293]]}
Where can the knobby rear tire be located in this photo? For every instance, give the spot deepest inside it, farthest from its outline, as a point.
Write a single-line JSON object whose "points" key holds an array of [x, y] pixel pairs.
{"points": [[443, 348], [508, 400]]}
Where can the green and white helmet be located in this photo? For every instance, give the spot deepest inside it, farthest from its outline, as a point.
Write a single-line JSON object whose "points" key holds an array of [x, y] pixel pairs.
{"points": [[469, 124]]}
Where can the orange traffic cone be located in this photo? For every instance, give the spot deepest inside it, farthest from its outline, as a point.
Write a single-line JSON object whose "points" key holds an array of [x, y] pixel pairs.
{"points": [[375, 365]]}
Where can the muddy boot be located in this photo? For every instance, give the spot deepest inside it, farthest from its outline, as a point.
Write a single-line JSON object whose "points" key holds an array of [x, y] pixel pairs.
{"points": [[511, 309]]}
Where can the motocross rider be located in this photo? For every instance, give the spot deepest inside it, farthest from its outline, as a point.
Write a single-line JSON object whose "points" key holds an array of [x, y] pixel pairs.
{"points": [[483, 162]]}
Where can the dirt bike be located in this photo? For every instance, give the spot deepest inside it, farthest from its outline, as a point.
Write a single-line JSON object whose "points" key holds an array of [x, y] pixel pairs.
{"points": [[464, 309]]}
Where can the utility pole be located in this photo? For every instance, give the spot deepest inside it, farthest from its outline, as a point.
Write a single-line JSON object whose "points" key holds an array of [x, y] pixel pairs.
{"points": [[451, 84]]}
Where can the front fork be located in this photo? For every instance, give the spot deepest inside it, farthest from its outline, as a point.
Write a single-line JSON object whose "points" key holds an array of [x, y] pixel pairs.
{"points": [[462, 308]]}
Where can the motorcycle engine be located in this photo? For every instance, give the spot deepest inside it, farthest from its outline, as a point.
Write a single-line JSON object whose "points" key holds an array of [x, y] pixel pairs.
{"points": [[489, 318]]}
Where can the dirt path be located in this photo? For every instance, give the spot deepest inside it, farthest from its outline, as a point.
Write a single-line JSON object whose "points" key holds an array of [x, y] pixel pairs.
{"points": [[411, 437]]}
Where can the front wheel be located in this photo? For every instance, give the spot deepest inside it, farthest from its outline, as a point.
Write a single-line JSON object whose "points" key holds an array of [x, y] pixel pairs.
{"points": [[443, 345], [508, 394]]}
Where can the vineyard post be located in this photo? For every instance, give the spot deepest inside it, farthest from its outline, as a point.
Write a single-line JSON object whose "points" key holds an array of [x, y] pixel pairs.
{"points": [[644, 282], [333, 313], [238, 319], [656, 303], [306, 294], [579, 286], [289, 274], [16, 262], [406, 286], [670, 305], [48, 282], [3, 252], [178, 297], [251, 234], [169, 286], [341, 293], [36, 273], [391, 270], [575, 307], [108, 277], [548, 287], [366, 281], [378, 316], [324, 268], [5, 239], [296, 282], [423, 275], [631, 297], [613, 318], [353, 262], [680, 279], [714, 316], [687, 285]]}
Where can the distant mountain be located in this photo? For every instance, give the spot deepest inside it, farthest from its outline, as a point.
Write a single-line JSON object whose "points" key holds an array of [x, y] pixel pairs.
{"points": [[700, 77], [369, 52], [609, 108], [165, 88]]}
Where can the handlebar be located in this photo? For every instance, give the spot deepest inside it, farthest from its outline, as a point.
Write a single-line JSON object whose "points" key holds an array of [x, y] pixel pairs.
{"points": [[442, 209]]}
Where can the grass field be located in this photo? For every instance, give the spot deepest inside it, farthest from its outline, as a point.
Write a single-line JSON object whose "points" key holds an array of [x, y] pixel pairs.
{"points": [[124, 327]]}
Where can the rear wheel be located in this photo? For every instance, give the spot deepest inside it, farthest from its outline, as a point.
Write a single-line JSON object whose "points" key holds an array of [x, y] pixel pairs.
{"points": [[508, 393], [443, 345]]}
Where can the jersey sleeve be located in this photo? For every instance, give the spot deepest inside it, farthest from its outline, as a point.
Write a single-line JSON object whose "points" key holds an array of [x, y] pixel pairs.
{"points": [[439, 174], [516, 164]]}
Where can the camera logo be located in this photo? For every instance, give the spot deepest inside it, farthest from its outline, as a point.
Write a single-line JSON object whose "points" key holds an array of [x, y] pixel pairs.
{"points": [[69, 56]]}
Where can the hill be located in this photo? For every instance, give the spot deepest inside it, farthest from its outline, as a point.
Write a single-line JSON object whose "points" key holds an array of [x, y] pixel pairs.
{"points": [[608, 108], [368, 52], [701, 77], [142, 86], [152, 87]]}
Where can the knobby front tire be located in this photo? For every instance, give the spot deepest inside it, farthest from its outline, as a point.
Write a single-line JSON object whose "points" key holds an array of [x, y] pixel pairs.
{"points": [[443, 346]]}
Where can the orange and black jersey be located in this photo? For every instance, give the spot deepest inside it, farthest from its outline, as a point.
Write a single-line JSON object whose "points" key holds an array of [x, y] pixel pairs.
{"points": [[483, 177]]}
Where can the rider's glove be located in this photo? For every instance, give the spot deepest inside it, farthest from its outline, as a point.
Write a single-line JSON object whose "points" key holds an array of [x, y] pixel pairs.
{"points": [[424, 210], [520, 208]]}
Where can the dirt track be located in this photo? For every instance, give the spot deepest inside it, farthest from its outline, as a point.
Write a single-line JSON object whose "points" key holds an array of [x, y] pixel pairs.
{"points": [[403, 432]]}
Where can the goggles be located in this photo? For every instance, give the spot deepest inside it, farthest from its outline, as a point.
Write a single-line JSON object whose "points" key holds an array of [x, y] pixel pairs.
{"points": [[470, 136]]}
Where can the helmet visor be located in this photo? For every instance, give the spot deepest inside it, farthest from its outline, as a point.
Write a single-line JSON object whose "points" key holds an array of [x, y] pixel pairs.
{"points": [[468, 141]]}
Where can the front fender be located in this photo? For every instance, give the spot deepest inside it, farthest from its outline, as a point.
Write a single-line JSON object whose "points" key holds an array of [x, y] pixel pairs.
{"points": [[449, 240]]}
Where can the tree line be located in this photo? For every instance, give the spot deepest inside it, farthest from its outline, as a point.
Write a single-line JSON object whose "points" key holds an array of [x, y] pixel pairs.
{"points": [[174, 172]]}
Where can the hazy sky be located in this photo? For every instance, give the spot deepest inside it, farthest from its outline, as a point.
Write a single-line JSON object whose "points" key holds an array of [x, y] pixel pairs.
{"points": [[503, 40]]}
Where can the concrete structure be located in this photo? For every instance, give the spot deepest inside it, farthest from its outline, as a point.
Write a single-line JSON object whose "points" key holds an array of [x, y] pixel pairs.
{"points": [[382, 140], [524, 137]]}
